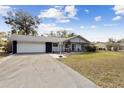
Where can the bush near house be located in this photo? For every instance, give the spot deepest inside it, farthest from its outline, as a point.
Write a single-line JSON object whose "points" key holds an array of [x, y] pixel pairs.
{"points": [[5, 49], [91, 48], [3, 45], [8, 47]]}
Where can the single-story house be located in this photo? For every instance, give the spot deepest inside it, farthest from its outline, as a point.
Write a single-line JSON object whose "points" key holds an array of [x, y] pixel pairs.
{"points": [[121, 46], [42, 44], [101, 45]]}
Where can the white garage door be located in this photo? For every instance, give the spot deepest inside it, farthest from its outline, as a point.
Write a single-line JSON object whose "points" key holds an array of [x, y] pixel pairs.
{"points": [[30, 47]]}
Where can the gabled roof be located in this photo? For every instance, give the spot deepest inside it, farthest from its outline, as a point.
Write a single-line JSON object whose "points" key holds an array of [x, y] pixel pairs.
{"points": [[40, 38], [35, 38], [79, 37]]}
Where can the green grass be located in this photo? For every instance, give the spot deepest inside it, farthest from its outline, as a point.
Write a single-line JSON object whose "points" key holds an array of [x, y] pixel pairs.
{"points": [[106, 69]]}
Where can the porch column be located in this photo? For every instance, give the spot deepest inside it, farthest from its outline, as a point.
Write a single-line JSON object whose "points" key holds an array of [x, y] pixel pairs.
{"points": [[60, 47]]}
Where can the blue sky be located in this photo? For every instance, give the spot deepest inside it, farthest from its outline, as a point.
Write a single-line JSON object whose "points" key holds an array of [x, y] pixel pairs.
{"points": [[95, 23]]}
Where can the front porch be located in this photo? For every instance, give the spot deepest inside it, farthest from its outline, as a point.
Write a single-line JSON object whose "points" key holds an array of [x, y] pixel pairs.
{"points": [[68, 47], [74, 47]]}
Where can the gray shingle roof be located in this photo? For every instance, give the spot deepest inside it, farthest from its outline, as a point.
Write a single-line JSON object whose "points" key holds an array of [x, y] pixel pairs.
{"points": [[36, 38], [40, 38]]}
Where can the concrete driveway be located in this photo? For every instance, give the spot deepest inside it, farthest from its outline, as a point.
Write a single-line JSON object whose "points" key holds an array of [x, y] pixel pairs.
{"points": [[39, 70]]}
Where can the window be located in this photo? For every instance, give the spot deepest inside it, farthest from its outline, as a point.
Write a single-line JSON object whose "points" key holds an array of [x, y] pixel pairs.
{"points": [[66, 46], [55, 44]]}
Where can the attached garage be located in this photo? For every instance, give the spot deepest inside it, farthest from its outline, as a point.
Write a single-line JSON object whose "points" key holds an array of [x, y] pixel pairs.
{"points": [[29, 47], [32, 44]]}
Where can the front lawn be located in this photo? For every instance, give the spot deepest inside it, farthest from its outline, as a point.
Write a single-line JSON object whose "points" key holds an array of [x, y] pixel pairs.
{"points": [[106, 69]]}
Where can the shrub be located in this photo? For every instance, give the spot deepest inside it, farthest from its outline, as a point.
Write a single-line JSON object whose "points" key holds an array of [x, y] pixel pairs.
{"points": [[115, 47], [8, 47], [90, 48], [109, 47]]}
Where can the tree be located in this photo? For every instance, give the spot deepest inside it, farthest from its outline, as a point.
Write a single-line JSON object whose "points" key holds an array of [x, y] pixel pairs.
{"points": [[22, 23], [62, 33], [52, 34], [116, 46], [111, 40], [71, 34], [109, 46], [3, 39], [1, 42], [112, 45], [59, 34], [120, 41]]}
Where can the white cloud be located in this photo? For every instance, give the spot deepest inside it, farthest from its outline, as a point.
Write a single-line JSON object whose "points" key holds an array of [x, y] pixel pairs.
{"points": [[51, 27], [59, 6], [64, 21], [48, 27], [51, 13], [98, 18], [82, 27], [110, 25], [119, 9], [86, 11], [93, 26], [4, 10], [117, 18], [61, 14], [71, 11]]}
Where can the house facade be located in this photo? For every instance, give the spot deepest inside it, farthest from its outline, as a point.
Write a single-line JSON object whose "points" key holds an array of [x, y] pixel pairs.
{"points": [[121, 46], [41, 44], [101, 45]]}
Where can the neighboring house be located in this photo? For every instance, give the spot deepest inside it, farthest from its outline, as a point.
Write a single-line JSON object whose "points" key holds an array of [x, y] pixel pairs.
{"points": [[41, 44], [101, 45], [121, 46]]}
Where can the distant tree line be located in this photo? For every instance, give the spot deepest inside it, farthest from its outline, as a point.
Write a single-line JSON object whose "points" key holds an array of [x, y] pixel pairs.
{"points": [[114, 45], [62, 34]]}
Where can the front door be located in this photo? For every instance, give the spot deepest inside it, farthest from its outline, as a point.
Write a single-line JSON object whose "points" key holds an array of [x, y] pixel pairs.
{"points": [[48, 47], [14, 47], [73, 47]]}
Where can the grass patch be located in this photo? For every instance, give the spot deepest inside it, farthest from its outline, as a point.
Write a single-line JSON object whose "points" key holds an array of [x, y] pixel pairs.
{"points": [[106, 69]]}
